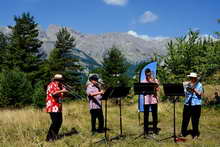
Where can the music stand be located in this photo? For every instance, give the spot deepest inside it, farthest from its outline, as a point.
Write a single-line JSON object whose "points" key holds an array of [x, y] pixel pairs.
{"points": [[116, 92], [108, 93], [173, 90], [144, 88], [120, 92]]}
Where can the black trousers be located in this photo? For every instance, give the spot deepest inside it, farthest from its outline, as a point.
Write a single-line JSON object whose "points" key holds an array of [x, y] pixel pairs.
{"points": [[146, 117], [97, 113], [57, 119], [194, 113]]}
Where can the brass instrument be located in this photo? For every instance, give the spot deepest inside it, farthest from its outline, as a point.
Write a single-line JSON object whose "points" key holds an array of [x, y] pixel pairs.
{"points": [[70, 89]]}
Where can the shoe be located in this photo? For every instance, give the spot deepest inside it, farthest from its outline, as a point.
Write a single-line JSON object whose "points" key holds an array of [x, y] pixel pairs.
{"points": [[195, 137], [156, 131], [50, 140], [186, 133], [100, 130]]}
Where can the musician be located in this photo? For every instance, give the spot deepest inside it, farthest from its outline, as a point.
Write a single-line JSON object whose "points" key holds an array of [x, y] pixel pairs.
{"points": [[94, 96], [192, 105], [150, 102], [54, 98]]}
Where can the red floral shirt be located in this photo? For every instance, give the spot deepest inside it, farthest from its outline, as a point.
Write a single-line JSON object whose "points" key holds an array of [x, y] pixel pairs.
{"points": [[53, 104]]}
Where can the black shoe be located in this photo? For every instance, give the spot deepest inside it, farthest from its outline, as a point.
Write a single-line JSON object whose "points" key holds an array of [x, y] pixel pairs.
{"points": [[100, 130], [156, 131], [195, 135], [50, 140], [186, 133]]}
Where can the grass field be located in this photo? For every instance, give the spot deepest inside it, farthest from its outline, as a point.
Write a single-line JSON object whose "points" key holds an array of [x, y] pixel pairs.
{"points": [[28, 127]]}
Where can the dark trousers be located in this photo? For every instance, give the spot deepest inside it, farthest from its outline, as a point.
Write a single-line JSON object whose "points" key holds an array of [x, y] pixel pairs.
{"points": [[97, 113], [154, 116], [57, 119], [194, 113]]}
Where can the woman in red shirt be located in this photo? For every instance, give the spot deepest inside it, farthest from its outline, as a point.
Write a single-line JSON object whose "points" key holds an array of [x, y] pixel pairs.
{"points": [[55, 91]]}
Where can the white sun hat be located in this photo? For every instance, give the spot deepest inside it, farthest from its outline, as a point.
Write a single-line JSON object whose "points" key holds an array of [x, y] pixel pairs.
{"points": [[58, 76], [192, 75]]}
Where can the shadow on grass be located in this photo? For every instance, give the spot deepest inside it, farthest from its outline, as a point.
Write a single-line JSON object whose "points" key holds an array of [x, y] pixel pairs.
{"points": [[73, 131]]}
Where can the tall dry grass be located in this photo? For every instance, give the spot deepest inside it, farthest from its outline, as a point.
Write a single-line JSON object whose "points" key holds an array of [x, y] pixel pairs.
{"points": [[28, 127]]}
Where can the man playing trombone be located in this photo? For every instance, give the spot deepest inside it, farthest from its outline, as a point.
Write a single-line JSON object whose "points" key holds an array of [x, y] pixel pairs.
{"points": [[94, 96], [55, 91], [192, 105]]}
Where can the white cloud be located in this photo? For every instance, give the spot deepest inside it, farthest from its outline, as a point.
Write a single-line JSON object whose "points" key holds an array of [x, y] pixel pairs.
{"points": [[146, 37], [207, 36], [148, 17], [116, 2]]}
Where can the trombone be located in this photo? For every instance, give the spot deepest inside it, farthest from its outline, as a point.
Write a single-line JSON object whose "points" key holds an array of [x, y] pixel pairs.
{"points": [[70, 89]]}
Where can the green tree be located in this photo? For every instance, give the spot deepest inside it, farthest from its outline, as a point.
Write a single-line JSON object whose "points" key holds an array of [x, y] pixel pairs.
{"points": [[114, 69], [62, 60], [4, 42], [24, 46], [190, 53], [39, 95], [15, 89]]}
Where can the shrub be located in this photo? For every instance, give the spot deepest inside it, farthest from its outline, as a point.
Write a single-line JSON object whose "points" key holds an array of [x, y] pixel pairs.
{"points": [[15, 89], [39, 95]]}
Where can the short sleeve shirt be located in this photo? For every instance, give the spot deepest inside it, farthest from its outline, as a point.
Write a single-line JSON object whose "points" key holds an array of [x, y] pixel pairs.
{"points": [[53, 104], [93, 89], [150, 98], [196, 100]]}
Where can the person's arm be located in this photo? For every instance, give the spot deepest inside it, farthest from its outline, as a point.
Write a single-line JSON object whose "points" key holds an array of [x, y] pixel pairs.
{"points": [[61, 91], [96, 93], [158, 83], [64, 90], [198, 91]]}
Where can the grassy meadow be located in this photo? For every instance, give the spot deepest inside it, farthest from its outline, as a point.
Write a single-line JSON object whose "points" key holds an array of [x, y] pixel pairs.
{"points": [[28, 127]]}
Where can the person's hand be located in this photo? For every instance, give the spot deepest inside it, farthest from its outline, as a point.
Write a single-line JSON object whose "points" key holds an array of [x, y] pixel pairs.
{"points": [[64, 91], [102, 91]]}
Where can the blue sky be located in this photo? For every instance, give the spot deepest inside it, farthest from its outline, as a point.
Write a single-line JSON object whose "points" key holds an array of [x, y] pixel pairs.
{"points": [[166, 18]]}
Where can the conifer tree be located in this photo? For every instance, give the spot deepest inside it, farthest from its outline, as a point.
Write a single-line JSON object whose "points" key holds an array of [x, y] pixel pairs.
{"points": [[62, 59], [114, 68], [15, 89], [3, 50], [24, 46]]}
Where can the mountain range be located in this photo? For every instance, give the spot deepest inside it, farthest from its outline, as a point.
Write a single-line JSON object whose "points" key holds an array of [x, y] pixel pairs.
{"points": [[90, 48]]}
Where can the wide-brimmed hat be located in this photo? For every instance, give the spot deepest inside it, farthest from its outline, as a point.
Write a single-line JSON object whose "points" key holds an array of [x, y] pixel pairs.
{"points": [[58, 77], [192, 75], [94, 78]]}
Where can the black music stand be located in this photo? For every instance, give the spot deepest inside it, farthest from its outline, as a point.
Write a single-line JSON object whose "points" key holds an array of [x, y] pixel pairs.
{"points": [[173, 90], [116, 92], [144, 88], [120, 92], [108, 93]]}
